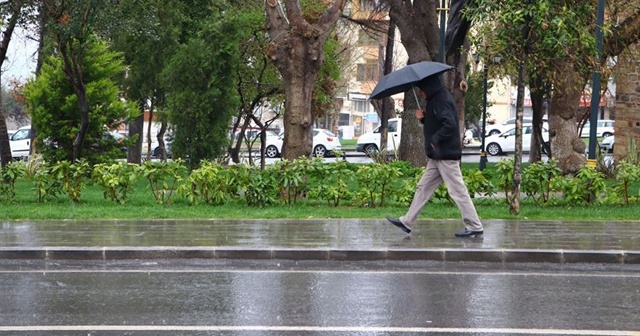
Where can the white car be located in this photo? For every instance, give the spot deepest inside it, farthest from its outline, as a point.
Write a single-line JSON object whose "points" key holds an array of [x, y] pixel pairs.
{"points": [[604, 128], [607, 144], [369, 142], [20, 143], [509, 124], [506, 142], [324, 143]]}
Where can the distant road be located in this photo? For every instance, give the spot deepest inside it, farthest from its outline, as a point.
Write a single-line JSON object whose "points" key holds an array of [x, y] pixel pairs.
{"points": [[304, 298]]}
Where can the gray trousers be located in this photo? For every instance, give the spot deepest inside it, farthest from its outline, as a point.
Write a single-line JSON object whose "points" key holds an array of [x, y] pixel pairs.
{"points": [[449, 172]]}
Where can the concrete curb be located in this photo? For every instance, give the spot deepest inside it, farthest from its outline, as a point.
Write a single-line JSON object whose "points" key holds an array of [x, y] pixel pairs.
{"points": [[556, 256]]}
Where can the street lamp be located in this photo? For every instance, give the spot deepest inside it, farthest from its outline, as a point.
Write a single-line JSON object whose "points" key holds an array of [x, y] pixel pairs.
{"points": [[485, 69]]}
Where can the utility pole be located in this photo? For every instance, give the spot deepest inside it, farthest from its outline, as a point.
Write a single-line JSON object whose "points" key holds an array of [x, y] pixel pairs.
{"points": [[595, 93]]}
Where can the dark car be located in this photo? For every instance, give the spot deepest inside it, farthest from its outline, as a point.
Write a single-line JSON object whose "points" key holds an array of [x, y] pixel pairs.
{"points": [[157, 152]]}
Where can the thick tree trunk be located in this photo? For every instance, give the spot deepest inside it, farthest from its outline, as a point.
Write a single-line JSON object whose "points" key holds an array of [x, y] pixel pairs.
{"points": [[298, 91], [418, 25], [567, 147], [5, 147], [412, 142], [296, 49], [537, 98], [387, 104], [454, 81]]}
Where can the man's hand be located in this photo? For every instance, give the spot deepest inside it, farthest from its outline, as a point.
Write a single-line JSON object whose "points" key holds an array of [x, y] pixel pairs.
{"points": [[419, 114]]}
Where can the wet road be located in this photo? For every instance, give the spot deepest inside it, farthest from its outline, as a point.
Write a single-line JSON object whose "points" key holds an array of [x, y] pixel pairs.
{"points": [[223, 297]]}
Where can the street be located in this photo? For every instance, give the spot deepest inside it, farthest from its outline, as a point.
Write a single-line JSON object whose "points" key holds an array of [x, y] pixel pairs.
{"points": [[356, 157], [226, 297]]}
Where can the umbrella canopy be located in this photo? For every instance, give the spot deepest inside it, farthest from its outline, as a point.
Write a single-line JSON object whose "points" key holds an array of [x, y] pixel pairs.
{"points": [[405, 78]]}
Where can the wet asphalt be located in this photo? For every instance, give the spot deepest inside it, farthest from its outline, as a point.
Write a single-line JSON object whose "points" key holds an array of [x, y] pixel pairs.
{"points": [[280, 297], [317, 277]]}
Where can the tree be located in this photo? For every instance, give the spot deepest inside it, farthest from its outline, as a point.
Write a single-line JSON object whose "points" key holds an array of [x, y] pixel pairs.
{"points": [[12, 12], [72, 25], [419, 29], [13, 102], [562, 55], [531, 40], [201, 90], [54, 104], [148, 38], [259, 85], [297, 36]]}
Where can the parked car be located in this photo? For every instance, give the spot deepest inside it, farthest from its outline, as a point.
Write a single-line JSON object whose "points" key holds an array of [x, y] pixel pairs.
{"points": [[157, 151], [607, 144], [253, 134], [506, 142], [324, 143], [20, 143], [604, 128], [369, 142], [509, 124]]}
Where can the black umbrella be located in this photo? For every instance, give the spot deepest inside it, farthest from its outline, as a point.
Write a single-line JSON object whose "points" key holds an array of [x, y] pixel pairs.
{"points": [[404, 79]]}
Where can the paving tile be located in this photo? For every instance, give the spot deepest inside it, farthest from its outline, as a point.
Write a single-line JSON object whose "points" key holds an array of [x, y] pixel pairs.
{"points": [[321, 239]]}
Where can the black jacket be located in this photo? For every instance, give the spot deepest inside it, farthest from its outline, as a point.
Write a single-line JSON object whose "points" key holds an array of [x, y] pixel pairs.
{"points": [[441, 130]]}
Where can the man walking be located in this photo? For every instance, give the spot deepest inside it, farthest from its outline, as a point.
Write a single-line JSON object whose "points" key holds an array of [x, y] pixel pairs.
{"points": [[443, 148]]}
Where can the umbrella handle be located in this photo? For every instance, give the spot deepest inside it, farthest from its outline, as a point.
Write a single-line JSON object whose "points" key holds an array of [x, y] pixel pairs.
{"points": [[413, 88]]}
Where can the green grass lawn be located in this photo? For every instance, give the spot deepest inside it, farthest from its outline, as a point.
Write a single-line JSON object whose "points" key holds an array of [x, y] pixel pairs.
{"points": [[141, 205]]}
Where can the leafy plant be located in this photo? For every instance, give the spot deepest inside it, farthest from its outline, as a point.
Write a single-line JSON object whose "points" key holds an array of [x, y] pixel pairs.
{"points": [[292, 178], [585, 187], [504, 170], [477, 182], [163, 178], [536, 180], [374, 180], [46, 185], [261, 188], [626, 174], [332, 182], [8, 175], [116, 180], [407, 188], [210, 183], [74, 177], [34, 164]]}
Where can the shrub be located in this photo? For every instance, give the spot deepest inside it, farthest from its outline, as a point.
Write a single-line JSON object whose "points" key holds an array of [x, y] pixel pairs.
{"points": [[74, 177], [116, 180], [8, 175], [210, 184], [536, 180], [163, 178]]}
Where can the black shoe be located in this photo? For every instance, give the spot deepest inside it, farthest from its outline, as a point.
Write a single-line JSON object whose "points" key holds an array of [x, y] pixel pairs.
{"points": [[399, 224], [468, 233]]}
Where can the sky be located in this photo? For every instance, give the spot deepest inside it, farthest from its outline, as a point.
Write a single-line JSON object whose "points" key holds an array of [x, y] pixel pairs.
{"points": [[21, 58]]}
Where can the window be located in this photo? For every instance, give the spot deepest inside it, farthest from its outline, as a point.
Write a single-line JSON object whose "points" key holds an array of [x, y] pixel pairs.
{"points": [[368, 71], [344, 120], [21, 134], [361, 106], [391, 127], [366, 38]]}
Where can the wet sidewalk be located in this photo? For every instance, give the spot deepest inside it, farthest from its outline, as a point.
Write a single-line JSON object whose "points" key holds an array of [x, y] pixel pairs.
{"points": [[321, 239]]}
